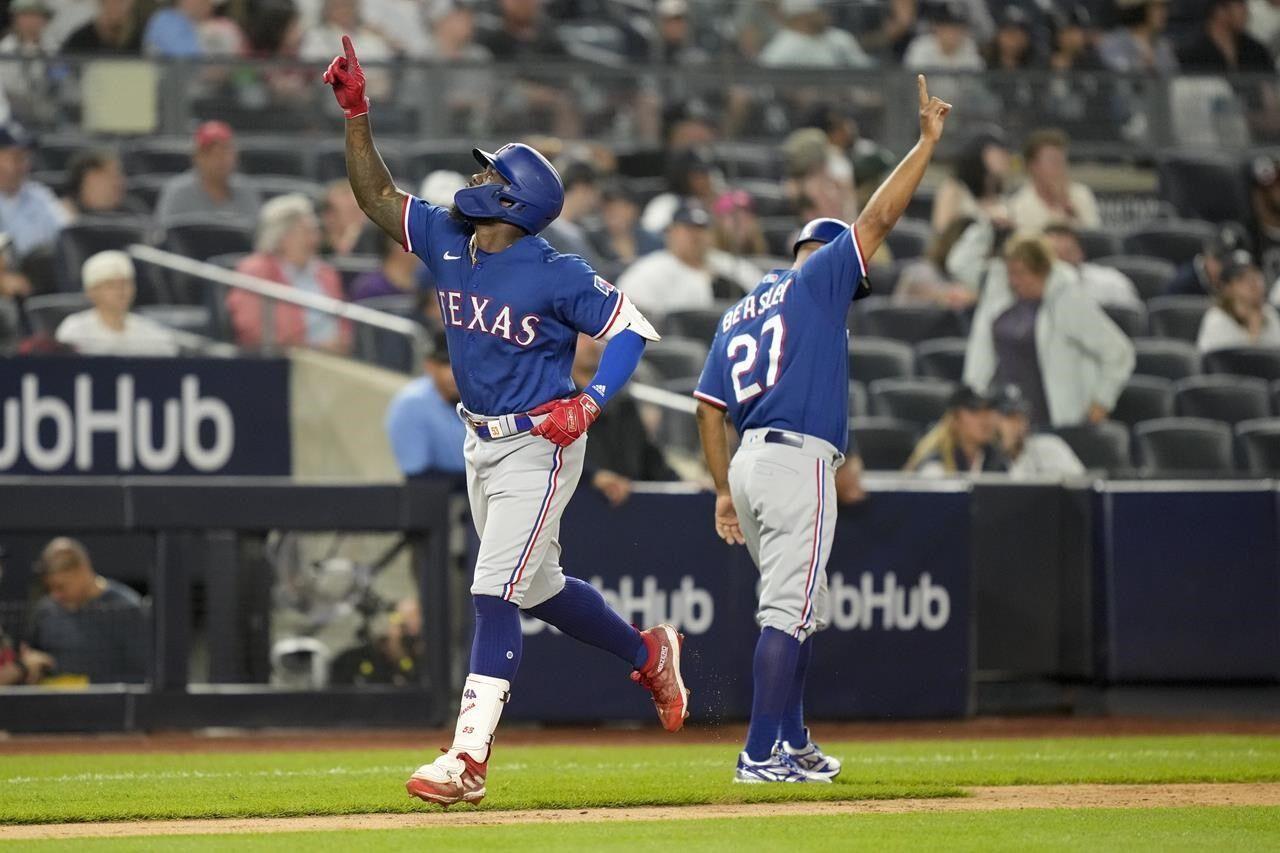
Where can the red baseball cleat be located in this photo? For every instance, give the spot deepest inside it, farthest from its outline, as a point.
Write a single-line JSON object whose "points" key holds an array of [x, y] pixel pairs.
{"points": [[661, 676], [454, 777]]}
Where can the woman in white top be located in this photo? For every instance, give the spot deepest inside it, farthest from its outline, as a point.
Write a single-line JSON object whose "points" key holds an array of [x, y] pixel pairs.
{"points": [[1240, 316], [108, 328]]}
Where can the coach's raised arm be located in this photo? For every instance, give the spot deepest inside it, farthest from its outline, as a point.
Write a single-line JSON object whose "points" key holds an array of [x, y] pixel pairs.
{"points": [[888, 202]]}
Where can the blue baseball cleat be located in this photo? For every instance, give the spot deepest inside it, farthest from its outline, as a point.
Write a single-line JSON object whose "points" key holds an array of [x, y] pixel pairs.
{"points": [[778, 767], [810, 758]]}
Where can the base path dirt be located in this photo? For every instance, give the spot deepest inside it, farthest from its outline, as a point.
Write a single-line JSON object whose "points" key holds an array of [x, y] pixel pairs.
{"points": [[980, 799]]}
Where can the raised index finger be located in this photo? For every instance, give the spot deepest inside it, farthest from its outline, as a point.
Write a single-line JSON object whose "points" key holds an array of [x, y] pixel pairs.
{"points": [[920, 85], [349, 48]]}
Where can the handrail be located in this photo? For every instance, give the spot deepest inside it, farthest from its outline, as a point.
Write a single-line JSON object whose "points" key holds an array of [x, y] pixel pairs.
{"points": [[282, 293]]}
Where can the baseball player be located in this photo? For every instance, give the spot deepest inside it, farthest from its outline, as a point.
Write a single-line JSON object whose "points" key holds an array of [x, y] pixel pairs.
{"points": [[778, 369], [512, 309]]}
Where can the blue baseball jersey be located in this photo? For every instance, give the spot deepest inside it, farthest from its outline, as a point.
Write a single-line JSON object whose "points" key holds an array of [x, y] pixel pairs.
{"points": [[512, 319], [780, 358]]}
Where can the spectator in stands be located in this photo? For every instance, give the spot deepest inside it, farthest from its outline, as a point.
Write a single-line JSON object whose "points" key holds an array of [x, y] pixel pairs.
{"points": [[623, 452], [92, 626], [1073, 42], [401, 23], [342, 17], [29, 211], [1028, 454], [676, 45], [926, 281], [620, 240], [212, 186], [1240, 315], [523, 33], [1049, 195], [976, 185], [453, 33], [568, 234], [1223, 45], [1011, 49], [398, 274], [808, 40], [422, 421], [19, 663], [1202, 274], [28, 85], [1139, 44], [69, 16], [685, 273], [342, 222], [96, 186], [109, 328], [735, 228], [288, 239], [175, 31], [1035, 328], [842, 135], [275, 31], [691, 173], [1265, 199], [1105, 285], [948, 45], [28, 30], [114, 31], [960, 443], [1264, 23]]}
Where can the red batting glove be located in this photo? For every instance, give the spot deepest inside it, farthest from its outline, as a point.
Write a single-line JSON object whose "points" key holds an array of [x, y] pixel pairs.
{"points": [[566, 419], [347, 79]]}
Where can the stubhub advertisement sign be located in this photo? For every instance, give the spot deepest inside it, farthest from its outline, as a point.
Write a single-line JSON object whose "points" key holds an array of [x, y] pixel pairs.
{"points": [[143, 416], [898, 645]]}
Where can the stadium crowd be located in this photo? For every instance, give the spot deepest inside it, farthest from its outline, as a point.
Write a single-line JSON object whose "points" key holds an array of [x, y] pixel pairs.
{"points": [[1006, 307]]}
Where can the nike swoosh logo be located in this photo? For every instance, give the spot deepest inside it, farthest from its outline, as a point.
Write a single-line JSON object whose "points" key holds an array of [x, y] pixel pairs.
{"points": [[449, 257]]}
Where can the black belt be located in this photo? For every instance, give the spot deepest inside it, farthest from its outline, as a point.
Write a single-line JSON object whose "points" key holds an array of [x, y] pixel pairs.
{"points": [[777, 436]]}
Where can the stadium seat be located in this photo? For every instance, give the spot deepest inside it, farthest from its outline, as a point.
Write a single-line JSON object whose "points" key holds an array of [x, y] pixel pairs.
{"points": [[1258, 445], [778, 234], [201, 238], [351, 267], [1262, 362], [146, 189], [1098, 244], [214, 298], [768, 196], [1151, 276], [1207, 185], [1224, 398], [47, 311], [274, 157], [90, 235], [912, 323], [942, 358], [384, 348], [918, 401], [679, 430], [1177, 316], [748, 161], [1101, 447], [1170, 359], [877, 358], [271, 186], [909, 239], [329, 162], [1132, 319], [1175, 240], [884, 444], [54, 179], [674, 357], [186, 318], [55, 151], [700, 324], [1184, 447], [161, 155], [858, 405], [1144, 398]]}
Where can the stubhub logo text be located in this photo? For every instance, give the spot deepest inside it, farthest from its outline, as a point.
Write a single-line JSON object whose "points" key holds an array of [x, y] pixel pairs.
{"points": [[688, 607]]}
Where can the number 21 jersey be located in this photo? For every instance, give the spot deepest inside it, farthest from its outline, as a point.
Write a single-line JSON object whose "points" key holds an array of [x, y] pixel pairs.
{"points": [[780, 358]]}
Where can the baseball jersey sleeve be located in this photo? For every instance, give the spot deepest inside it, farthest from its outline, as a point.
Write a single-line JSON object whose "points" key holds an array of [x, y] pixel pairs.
{"points": [[586, 302], [711, 384], [420, 225], [831, 275]]}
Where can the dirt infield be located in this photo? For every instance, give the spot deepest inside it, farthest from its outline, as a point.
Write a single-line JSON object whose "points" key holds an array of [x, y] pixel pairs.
{"points": [[979, 799], [337, 739]]}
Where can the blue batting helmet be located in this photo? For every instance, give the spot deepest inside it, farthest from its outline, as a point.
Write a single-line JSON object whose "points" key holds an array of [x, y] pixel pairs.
{"points": [[532, 197], [822, 230]]}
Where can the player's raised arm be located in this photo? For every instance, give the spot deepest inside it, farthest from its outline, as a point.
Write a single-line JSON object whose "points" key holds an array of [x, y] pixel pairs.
{"points": [[890, 200], [370, 180]]}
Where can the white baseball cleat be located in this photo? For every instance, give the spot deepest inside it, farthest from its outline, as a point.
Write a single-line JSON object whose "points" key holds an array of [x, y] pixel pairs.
{"points": [[810, 758], [778, 767], [454, 777]]}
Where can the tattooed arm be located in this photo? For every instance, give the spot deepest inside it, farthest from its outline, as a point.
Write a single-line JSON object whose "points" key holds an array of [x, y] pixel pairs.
{"points": [[371, 181]]}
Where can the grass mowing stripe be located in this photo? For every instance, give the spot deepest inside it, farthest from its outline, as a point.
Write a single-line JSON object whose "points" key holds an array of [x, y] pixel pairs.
{"points": [[65, 788], [1222, 829]]}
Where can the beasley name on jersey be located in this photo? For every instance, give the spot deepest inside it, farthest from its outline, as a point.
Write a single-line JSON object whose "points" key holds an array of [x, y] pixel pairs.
{"points": [[780, 358], [512, 318]]}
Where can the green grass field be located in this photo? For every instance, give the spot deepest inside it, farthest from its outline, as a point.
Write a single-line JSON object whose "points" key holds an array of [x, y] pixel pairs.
{"points": [[71, 788]]}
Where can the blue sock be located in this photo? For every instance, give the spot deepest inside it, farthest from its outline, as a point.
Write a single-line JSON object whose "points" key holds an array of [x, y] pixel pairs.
{"points": [[579, 610], [774, 671], [791, 729], [495, 650]]}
